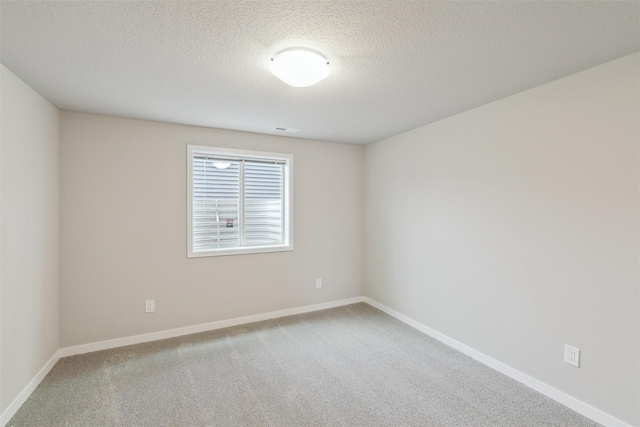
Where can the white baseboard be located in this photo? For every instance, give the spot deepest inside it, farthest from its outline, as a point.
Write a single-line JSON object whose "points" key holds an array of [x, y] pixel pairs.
{"points": [[187, 330], [11, 410], [559, 396]]}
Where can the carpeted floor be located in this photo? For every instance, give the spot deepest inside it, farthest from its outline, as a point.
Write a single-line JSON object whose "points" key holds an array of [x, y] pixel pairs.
{"points": [[348, 366]]}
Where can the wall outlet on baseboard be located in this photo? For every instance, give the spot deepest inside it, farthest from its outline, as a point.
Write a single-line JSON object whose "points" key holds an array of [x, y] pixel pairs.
{"points": [[572, 355], [150, 306], [318, 283]]}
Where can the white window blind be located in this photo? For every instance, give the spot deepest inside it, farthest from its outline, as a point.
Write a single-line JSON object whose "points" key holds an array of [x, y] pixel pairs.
{"points": [[238, 202], [263, 203]]}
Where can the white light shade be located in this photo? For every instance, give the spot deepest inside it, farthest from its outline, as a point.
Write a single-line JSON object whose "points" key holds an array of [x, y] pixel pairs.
{"points": [[300, 67]]}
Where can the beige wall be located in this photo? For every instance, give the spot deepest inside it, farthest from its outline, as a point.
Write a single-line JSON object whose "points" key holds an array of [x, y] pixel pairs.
{"points": [[514, 227], [124, 237], [29, 234]]}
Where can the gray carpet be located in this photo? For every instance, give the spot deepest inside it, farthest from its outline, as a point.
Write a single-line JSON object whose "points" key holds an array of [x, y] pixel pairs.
{"points": [[348, 366]]}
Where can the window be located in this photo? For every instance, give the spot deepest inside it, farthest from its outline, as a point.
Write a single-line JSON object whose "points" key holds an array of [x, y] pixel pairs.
{"points": [[239, 201]]}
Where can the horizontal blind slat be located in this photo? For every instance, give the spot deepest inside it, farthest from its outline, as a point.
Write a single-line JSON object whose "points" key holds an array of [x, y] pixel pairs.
{"points": [[264, 189], [215, 204]]}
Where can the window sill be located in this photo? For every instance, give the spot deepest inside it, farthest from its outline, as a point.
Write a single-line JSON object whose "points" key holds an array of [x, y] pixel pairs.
{"points": [[240, 251]]}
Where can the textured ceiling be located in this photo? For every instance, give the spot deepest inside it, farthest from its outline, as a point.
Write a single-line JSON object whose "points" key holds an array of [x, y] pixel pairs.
{"points": [[395, 65]]}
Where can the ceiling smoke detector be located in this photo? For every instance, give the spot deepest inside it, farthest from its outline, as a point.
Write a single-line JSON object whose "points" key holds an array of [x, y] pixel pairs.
{"points": [[300, 67]]}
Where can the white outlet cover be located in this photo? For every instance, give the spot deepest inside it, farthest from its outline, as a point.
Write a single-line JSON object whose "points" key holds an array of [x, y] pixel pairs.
{"points": [[150, 306], [572, 355], [318, 283]]}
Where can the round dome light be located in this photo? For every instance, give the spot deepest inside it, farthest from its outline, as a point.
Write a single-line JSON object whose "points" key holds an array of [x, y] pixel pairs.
{"points": [[300, 67]]}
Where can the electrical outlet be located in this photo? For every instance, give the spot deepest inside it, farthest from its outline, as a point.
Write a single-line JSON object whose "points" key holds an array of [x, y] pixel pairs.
{"points": [[318, 283], [572, 355], [150, 306]]}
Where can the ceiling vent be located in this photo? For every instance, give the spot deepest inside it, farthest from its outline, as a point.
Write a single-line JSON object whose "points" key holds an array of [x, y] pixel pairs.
{"points": [[283, 129]]}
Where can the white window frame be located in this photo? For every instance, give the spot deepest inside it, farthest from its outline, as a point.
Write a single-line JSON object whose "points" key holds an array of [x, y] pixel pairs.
{"points": [[288, 199]]}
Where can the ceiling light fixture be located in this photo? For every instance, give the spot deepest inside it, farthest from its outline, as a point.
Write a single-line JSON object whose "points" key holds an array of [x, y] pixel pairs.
{"points": [[300, 67]]}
